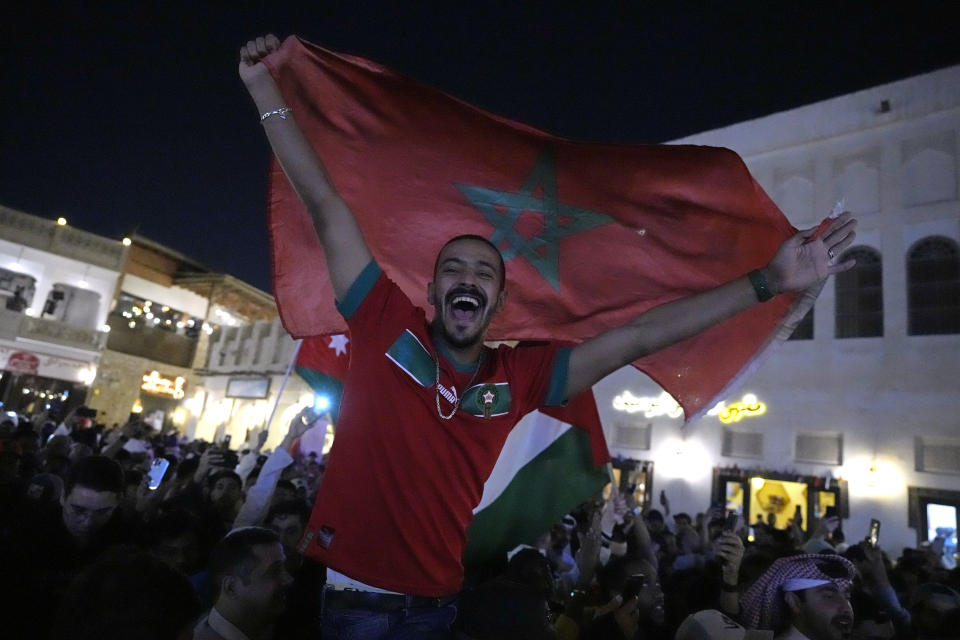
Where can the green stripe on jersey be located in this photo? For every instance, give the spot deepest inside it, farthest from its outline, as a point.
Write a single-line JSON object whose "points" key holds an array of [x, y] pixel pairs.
{"points": [[410, 355]]}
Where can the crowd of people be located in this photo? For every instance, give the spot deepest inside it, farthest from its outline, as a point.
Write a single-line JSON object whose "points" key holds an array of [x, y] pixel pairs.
{"points": [[92, 551]]}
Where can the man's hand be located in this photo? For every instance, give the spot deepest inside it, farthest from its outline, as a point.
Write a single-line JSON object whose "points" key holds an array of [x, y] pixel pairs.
{"points": [[799, 264], [730, 551], [207, 460], [300, 424], [872, 569], [252, 68], [261, 438], [589, 551]]}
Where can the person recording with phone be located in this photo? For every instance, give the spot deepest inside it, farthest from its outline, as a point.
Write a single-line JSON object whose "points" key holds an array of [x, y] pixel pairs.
{"points": [[874, 582]]}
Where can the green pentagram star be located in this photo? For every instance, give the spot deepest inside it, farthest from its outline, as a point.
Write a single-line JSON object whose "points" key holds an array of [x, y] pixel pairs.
{"points": [[503, 209]]}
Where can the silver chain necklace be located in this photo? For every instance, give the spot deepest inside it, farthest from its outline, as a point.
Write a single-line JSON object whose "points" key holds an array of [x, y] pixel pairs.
{"points": [[456, 405]]}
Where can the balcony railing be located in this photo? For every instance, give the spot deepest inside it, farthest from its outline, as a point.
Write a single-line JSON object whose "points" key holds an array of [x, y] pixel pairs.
{"points": [[150, 342], [14, 324]]}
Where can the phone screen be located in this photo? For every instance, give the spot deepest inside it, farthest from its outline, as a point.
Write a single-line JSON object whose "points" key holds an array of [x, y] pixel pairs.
{"points": [[874, 536], [157, 470]]}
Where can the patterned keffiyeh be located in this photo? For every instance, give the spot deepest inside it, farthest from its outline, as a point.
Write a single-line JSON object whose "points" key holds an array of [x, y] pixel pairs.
{"points": [[762, 605]]}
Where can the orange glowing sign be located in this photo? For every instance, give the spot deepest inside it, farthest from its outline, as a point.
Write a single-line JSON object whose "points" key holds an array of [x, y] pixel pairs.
{"points": [[154, 383]]}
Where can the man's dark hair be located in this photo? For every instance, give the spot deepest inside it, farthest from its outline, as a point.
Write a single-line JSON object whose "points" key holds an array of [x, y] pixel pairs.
{"points": [[472, 236], [127, 594], [224, 473], [233, 555], [286, 484], [289, 508], [96, 473]]}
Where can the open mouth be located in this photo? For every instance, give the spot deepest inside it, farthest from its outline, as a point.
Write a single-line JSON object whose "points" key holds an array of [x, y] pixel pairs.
{"points": [[845, 625], [464, 307]]}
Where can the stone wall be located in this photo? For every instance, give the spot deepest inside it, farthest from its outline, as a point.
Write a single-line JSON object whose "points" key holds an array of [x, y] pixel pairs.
{"points": [[117, 385]]}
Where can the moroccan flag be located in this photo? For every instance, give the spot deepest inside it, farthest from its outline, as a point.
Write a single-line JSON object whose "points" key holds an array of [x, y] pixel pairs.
{"points": [[322, 363], [552, 461], [592, 234]]}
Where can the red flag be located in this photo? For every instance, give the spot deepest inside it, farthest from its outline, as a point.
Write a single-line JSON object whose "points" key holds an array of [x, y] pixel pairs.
{"points": [[329, 355], [323, 362], [593, 235]]}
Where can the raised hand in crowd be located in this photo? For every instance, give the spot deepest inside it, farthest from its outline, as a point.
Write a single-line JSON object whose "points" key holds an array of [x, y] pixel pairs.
{"points": [[208, 459], [729, 550], [588, 554], [616, 617], [299, 425]]}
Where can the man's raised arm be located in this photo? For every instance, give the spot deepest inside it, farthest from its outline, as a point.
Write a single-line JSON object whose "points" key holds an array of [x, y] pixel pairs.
{"points": [[802, 261], [344, 247]]}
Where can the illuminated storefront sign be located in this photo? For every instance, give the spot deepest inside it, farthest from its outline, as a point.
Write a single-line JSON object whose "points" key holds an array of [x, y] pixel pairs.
{"points": [[662, 405], [154, 383], [749, 406]]}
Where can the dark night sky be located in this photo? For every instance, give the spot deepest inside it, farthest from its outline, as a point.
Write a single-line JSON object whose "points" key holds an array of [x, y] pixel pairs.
{"points": [[130, 116]]}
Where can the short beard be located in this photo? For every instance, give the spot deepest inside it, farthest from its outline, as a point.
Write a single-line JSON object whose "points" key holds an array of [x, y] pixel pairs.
{"points": [[457, 343]]}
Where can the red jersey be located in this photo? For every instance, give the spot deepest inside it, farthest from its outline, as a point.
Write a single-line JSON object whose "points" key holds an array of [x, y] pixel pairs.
{"points": [[401, 483]]}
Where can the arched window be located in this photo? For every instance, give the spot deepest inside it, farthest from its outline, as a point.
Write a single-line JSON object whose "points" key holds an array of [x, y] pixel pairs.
{"points": [[933, 287], [859, 295]]}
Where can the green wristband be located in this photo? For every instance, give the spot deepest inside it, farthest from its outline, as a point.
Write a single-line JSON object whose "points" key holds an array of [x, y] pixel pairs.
{"points": [[760, 286]]}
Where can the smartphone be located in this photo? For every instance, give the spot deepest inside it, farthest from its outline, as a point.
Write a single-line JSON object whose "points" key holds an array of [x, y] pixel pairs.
{"points": [[874, 534], [157, 470], [633, 586], [226, 441], [730, 524]]}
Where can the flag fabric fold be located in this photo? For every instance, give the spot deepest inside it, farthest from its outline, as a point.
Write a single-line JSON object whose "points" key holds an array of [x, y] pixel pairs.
{"points": [[553, 460], [592, 234]]}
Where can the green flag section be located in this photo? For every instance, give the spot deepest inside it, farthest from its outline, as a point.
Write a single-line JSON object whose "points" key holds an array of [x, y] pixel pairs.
{"points": [[544, 471]]}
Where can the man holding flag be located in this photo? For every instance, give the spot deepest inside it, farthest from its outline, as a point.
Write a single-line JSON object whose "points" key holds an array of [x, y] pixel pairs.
{"points": [[426, 406]]}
